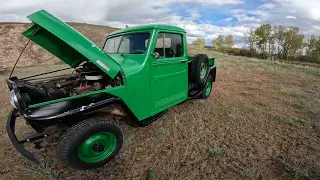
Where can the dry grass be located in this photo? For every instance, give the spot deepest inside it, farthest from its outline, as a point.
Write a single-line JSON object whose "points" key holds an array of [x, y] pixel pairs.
{"points": [[260, 122]]}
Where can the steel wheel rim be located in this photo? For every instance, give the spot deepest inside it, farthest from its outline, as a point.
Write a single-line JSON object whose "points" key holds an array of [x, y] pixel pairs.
{"points": [[203, 70], [97, 147], [209, 87]]}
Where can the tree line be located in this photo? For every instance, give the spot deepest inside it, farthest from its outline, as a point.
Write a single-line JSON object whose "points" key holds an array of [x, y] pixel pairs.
{"points": [[271, 42]]}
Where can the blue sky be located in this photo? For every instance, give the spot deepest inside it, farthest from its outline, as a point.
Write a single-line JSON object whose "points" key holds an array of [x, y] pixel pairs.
{"points": [[216, 14], [201, 18]]}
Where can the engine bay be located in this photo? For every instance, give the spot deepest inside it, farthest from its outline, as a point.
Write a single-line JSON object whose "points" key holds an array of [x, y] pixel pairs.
{"points": [[85, 78]]}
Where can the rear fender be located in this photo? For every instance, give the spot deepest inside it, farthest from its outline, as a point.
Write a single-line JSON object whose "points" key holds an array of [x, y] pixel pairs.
{"points": [[197, 92], [213, 72]]}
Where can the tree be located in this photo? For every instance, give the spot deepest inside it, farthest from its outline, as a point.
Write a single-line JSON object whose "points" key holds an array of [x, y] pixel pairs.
{"points": [[292, 41], [270, 37], [250, 38], [229, 41], [313, 49], [199, 42], [263, 37], [278, 32], [273, 41], [219, 42]]}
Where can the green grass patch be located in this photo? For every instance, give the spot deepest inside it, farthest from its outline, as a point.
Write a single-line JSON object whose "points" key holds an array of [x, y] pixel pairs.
{"points": [[246, 94], [300, 104], [291, 93], [293, 121], [215, 150], [162, 131]]}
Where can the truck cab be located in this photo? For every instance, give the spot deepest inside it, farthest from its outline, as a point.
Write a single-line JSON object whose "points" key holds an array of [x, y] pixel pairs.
{"points": [[155, 61]]}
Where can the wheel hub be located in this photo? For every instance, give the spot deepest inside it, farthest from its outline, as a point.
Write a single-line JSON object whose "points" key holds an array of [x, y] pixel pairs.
{"points": [[209, 87], [203, 70], [98, 147]]}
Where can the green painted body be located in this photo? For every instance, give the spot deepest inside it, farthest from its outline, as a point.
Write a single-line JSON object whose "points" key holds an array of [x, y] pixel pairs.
{"points": [[150, 85]]}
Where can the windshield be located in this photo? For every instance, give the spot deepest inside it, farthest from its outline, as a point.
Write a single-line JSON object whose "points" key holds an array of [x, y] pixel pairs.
{"points": [[136, 43]]}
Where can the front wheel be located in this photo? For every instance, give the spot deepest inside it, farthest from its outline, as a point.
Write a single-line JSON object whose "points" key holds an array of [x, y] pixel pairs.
{"points": [[208, 87], [90, 144]]}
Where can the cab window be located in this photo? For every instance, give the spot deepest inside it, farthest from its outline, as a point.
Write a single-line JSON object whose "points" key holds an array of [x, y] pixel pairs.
{"points": [[169, 45], [112, 44], [127, 44], [134, 43]]}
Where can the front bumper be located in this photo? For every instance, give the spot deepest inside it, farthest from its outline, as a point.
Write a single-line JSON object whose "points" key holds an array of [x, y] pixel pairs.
{"points": [[50, 120], [19, 144]]}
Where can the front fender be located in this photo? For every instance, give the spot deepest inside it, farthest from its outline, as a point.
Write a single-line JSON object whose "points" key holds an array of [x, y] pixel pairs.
{"points": [[66, 108]]}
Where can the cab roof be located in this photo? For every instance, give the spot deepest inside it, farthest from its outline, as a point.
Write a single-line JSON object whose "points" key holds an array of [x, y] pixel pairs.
{"points": [[146, 27]]}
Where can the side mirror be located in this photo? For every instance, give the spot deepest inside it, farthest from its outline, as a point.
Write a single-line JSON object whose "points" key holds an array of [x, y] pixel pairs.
{"points": [[156, 55]]}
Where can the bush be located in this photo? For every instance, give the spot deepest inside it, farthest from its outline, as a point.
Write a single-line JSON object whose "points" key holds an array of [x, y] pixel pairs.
{"points": [[248, 52], [252, 53], [233, 51], [309, 59], [263, 55]]}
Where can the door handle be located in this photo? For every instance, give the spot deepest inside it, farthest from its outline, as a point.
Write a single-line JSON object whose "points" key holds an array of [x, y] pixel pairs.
{"points": [[184, 60]]}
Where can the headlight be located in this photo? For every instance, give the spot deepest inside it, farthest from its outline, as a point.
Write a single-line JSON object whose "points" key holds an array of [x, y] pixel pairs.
{"points": [[13, 99]]}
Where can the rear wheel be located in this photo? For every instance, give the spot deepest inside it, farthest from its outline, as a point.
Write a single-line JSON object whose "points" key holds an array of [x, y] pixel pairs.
{"points": [[208, 87], [90, 144], [199, 69]]}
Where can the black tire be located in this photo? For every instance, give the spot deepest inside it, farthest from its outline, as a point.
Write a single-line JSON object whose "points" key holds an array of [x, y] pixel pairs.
{"points": [[75, 136], [195, 70], [208, 82]]}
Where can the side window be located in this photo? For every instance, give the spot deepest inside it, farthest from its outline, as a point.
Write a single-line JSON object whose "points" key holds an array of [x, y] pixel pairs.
{"points": [[174, 49], [169, 45], [112, 44]]}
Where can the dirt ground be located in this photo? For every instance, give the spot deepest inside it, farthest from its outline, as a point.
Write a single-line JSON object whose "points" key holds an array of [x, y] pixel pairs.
{"points": [[262, 121]]}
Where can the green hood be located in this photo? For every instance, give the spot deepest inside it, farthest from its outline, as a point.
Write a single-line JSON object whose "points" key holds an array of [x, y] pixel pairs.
{"points": [[68, 44]]}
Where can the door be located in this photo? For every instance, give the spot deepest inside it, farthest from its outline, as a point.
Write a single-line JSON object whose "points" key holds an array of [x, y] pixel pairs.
{"points": [[169, 72]]}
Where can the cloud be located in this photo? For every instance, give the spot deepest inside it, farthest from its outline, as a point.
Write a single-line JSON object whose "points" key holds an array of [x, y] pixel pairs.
{"points": [[227, 19], [291, 17], [193, 14], [267, 6], [102, 11], [308, 10], [203, 2], [121, 13], [201, 18], [282, 12]]}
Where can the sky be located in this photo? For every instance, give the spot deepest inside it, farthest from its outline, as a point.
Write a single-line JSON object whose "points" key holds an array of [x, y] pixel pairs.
{"points": [[200, 18]]}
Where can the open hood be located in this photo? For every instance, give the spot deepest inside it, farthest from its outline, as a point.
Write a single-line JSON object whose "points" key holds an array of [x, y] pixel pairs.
{"points": [[67, 44]]}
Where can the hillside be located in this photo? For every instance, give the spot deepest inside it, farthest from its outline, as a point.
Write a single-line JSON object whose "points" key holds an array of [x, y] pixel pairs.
{"points": [[12, 43], [262, 121]]}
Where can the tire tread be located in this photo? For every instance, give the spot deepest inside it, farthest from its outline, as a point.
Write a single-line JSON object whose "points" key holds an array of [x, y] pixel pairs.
{"points": [[75, 132]]}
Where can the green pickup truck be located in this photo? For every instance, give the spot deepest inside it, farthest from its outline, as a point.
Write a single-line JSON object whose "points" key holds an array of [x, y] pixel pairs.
{"points": [[144, 69]]}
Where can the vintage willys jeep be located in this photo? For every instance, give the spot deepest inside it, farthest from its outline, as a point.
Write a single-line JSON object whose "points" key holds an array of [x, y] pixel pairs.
{"points": [[144, 69]]}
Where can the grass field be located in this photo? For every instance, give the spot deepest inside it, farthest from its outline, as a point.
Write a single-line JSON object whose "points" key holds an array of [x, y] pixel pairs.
{"points": [[262, 121]]}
